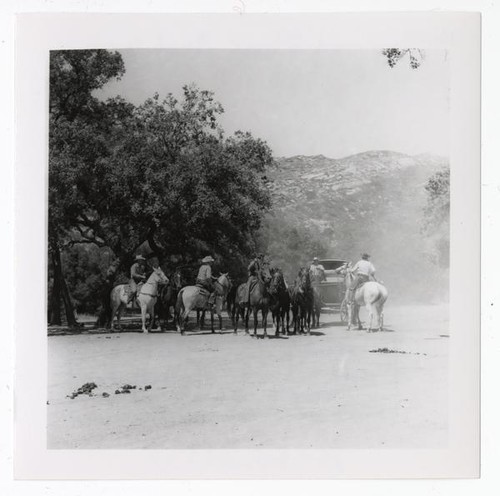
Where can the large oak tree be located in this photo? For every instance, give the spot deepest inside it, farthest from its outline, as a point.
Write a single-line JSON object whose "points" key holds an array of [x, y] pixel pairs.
{"points": [[161, 173]]}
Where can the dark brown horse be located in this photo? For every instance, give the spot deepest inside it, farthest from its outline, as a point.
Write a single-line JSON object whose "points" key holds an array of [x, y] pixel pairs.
{"points": [[279, 302], [167, 299], [258, 299], [230, 300], [316, 306], [302, 299]]}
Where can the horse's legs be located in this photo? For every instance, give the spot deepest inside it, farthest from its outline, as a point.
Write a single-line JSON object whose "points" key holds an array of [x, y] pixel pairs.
{"points": [[180, 322], [247, 316], [381, 318], [356, 310], [374, 317], [118, 312], [264, 321], [255, 320], [183, 319], [143, 317], [287, 314], [212, 320], [231, 313], [236, 315], [151, 311], [114, 308], [296, 323]]}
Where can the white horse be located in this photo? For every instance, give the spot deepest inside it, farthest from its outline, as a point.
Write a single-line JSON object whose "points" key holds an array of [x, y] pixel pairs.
{"points": [[196, 298], [148, 294], [372, 294]]}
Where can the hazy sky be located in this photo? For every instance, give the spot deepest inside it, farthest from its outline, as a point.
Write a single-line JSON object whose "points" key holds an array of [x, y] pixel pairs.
{"points": [[307, 102]]}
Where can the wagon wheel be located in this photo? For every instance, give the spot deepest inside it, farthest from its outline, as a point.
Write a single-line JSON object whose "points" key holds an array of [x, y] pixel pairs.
{"points": [[343, 311]]}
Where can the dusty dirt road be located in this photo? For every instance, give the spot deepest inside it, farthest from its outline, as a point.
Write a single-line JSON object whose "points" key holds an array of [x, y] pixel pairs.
{"points": [[208, 390]]}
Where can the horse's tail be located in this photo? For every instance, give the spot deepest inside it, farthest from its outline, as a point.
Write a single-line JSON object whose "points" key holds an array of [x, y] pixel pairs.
{"points": [[381, 296], [179, 305], [115, 295]]}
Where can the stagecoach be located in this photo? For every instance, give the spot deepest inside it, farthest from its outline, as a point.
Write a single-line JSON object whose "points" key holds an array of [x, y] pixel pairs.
{"points": [[333, 289]]}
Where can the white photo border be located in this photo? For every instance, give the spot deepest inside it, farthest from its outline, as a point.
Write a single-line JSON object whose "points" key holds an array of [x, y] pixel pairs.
{"points": [[38, 33]]}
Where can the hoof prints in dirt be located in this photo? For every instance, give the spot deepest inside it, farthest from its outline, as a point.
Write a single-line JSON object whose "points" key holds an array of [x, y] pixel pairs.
{"points": [[387, 350]]}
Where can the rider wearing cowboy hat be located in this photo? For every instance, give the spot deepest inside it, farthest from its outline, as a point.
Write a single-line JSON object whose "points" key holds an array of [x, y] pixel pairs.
{"points": [[317, 272], [137, 276], [253, 271], [205, 278], [364, 271]]}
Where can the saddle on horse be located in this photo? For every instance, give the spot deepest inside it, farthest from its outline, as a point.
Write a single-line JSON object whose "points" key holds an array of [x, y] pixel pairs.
{"points": [[133, 289], [357, 283], [251, 283], [206, 290]]}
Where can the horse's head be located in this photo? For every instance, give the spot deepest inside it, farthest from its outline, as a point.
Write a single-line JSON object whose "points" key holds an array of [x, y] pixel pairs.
{"points": [[348, 273], [300, 280], [306, 276], [277, 280], [159, 276], [265, 273], [177, 279], [223, 284]]}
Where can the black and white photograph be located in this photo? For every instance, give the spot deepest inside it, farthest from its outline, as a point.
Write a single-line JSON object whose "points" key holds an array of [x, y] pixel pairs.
{"points": [[248, 249], [251, 249]]}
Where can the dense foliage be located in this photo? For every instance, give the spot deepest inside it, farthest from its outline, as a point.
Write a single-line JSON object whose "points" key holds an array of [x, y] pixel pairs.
{"points": [[161, 174], [394, 55], [437, 218]]}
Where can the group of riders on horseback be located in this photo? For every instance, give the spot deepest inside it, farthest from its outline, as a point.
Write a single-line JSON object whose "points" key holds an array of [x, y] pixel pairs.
{"points": [[266, 288]]}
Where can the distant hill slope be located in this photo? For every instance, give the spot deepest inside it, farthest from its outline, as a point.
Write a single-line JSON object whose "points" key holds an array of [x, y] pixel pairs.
{"points": [[371, 201]]}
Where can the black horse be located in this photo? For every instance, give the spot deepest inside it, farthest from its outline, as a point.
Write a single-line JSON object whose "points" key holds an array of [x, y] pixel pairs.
{"points": [[231, 297], [279, 302], [302, 300], [167, 298], [316, 306]]}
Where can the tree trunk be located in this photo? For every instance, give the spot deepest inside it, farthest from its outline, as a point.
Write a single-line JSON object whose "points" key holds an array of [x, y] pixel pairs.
{"points": [[55, 299], [68, 305], [60, 290], [104, 317]]}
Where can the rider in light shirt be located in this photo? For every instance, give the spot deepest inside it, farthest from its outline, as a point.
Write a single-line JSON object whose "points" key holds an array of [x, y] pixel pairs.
{"points": [[137, 276], [205, 278], [365, 271], [317, 272]]}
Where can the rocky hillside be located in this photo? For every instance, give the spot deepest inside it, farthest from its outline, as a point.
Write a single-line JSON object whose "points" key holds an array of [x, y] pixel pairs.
{"points": [[372, 201]]}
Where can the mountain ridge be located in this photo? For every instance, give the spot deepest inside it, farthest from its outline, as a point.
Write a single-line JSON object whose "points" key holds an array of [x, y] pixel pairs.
{"points": [[372, 201]]}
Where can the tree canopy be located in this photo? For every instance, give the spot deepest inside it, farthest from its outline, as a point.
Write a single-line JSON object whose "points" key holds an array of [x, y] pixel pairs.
{"points": [[394, 55], [161, 173], [437, 217]]}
